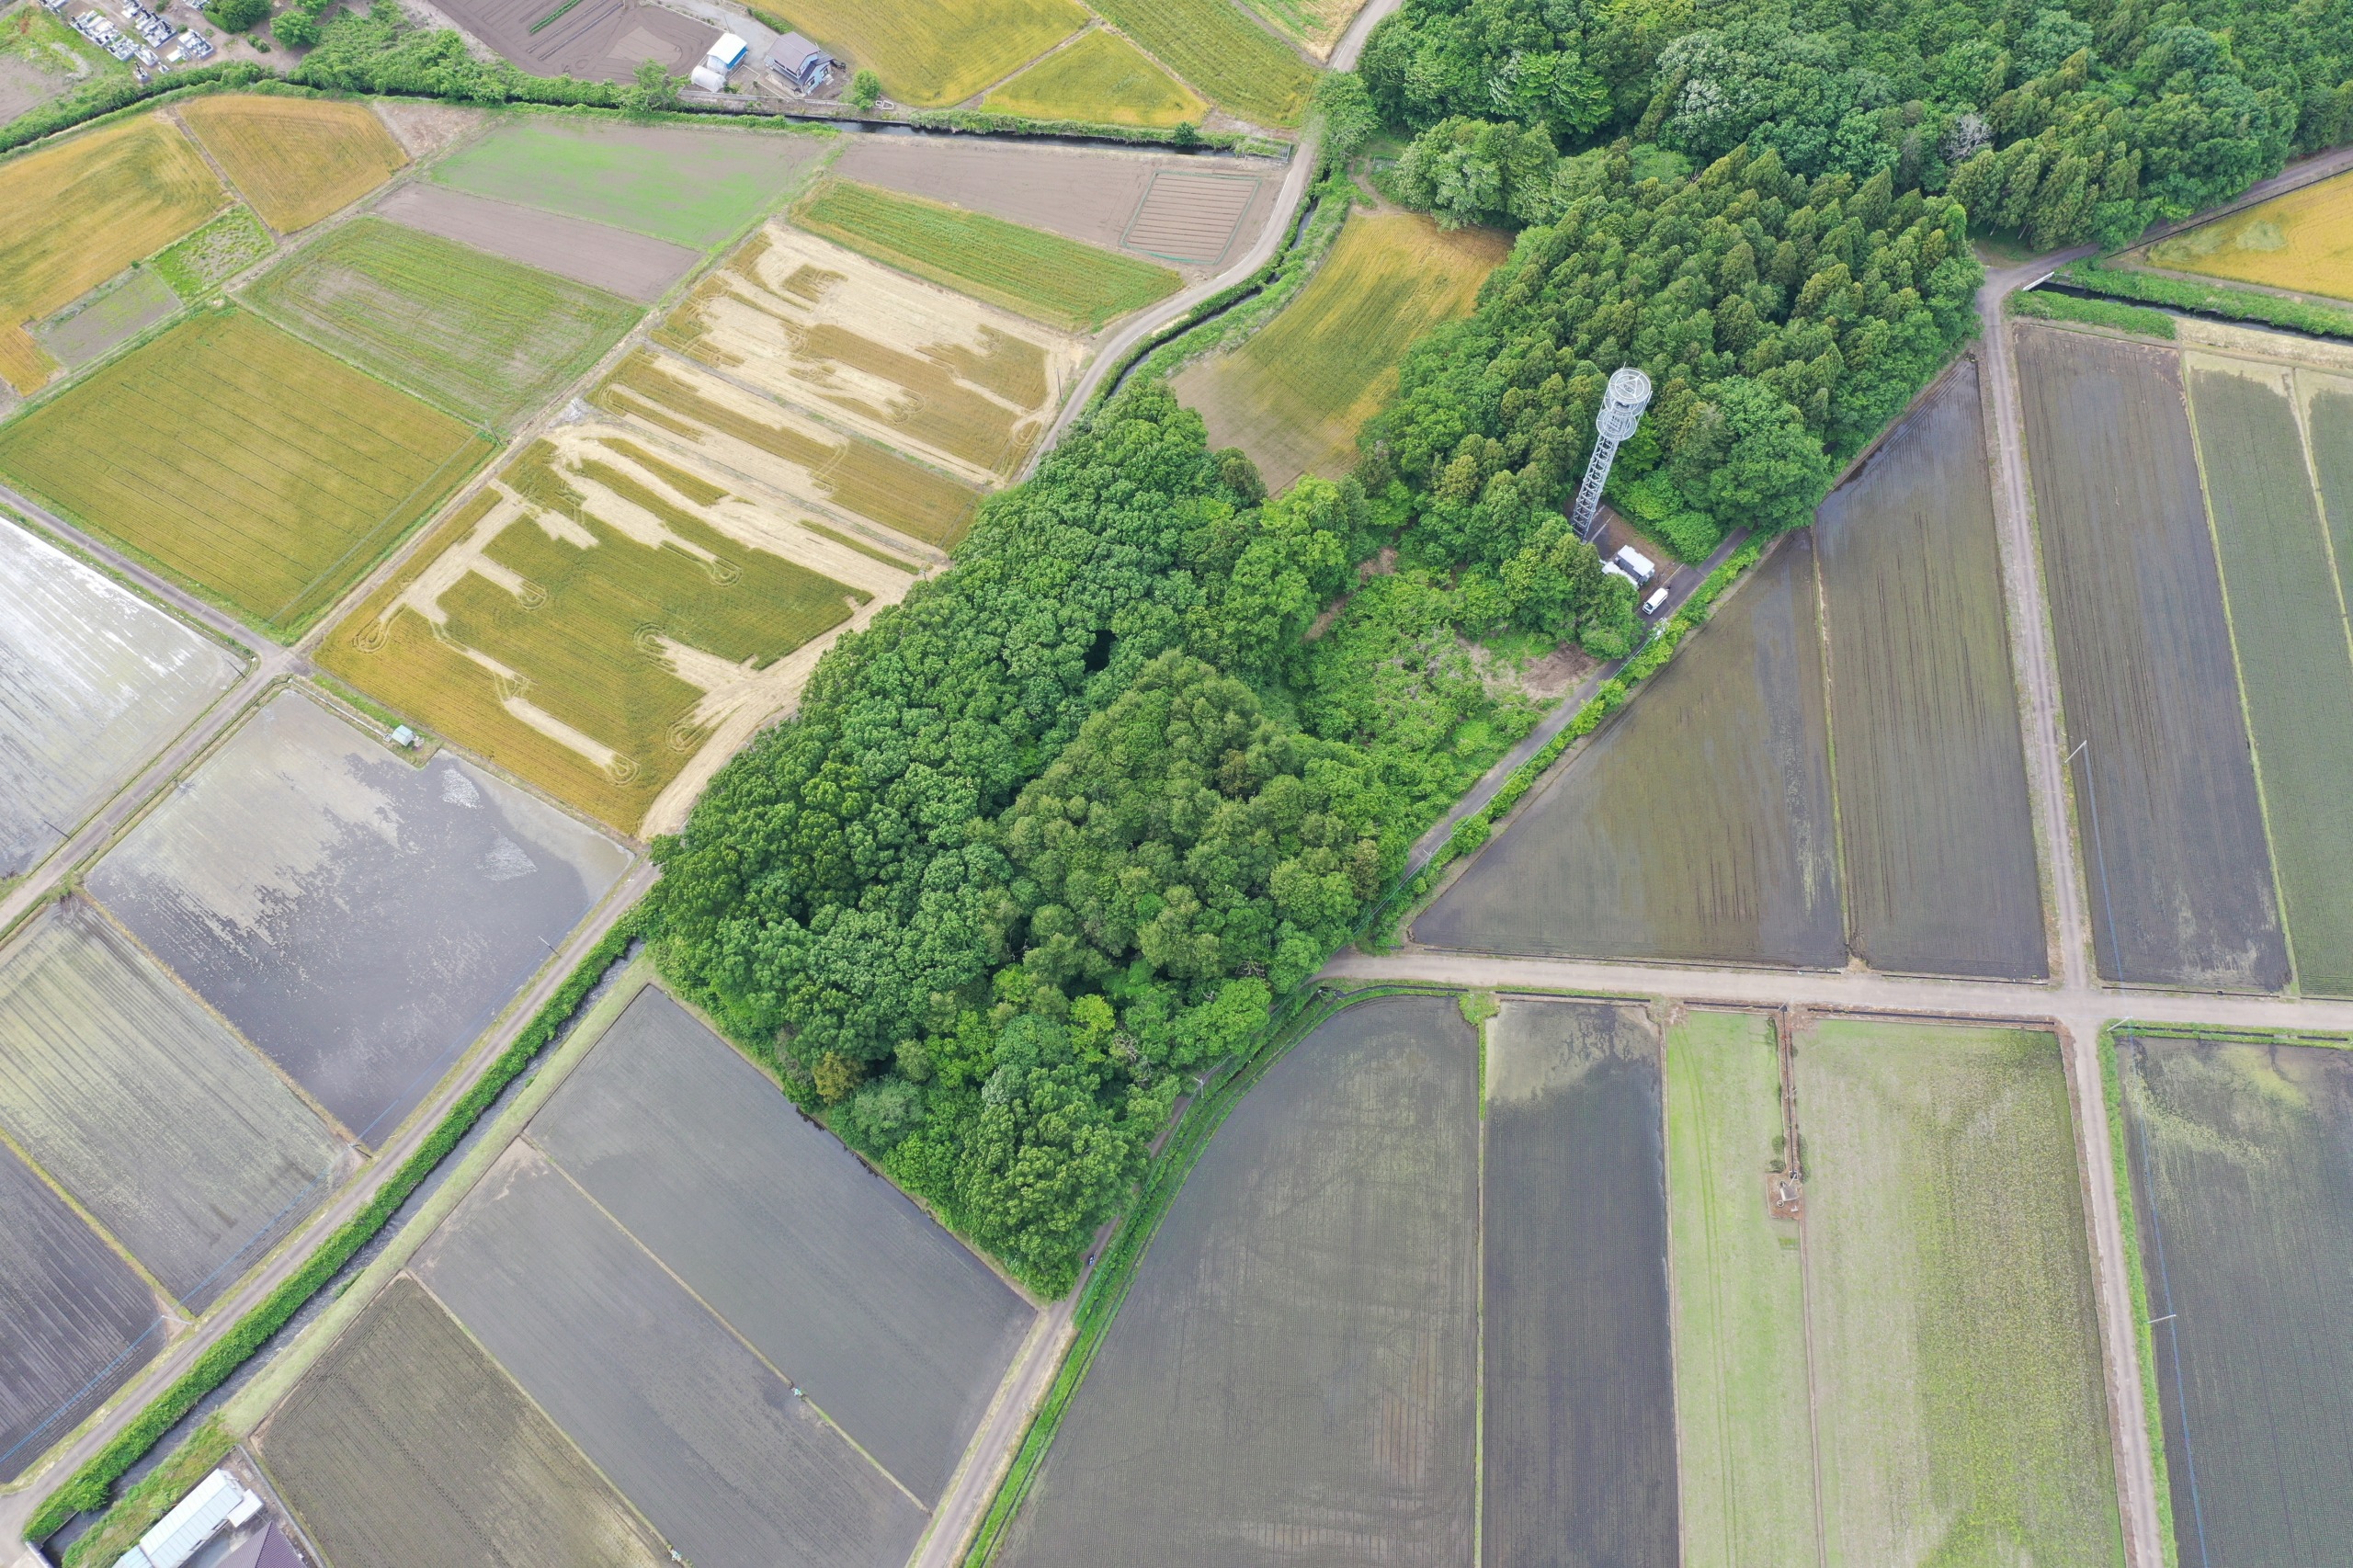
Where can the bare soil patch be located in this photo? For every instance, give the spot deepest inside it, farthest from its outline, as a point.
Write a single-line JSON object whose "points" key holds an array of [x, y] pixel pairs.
{"points": [[1193, 215], [636, 266], [25, 87], [596, 40], [423, 127]]}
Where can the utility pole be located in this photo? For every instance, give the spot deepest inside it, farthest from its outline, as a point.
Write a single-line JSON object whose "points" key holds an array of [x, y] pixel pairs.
{"points": [[1621, 410]]}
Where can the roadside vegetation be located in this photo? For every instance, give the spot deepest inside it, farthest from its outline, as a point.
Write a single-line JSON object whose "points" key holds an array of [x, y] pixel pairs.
{"points": [[2043, 304], [2222, 299]]}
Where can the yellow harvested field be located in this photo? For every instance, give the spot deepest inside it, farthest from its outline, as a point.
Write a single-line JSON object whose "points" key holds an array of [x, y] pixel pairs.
{"points": [[960, 385], [1103, 78], [2301, 241], [75, 213], [297, 160], [1317, 24], [1295, 393], [612, 618], [931, 52]]}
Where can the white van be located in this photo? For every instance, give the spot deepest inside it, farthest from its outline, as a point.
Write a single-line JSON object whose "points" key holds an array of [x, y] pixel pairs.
{"points": [[1637, 565], [1651, 606]]}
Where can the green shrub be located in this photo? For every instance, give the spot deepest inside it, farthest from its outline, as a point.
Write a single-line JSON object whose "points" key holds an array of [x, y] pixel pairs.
{"points": [[865, 89], [239, 16], [2212, 299]]}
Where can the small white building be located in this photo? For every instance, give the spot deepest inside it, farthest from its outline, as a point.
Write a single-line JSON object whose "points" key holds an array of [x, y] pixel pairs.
{"points": [[727, 54], [710, 80], [218, 1500]]}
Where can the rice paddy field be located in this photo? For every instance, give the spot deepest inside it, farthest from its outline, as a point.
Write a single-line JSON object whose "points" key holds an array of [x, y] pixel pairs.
{"points": [[1222, 53], [266, 475], [2295, 662], [162, 1124], [1042, 275], [75, 213], [1697, 824], [948, 380], [1577, 1415], [1104, 78], [692, 187], [107, 318], [931, 53], [2302, 240], [2241, 1155], [407, 1444], [296, 160], [75, 1320], [359, 919], [636, 266], [612, 615], [1960, 1407], [94, 681], [1294, 1371], [1933, 816], [1295, 393], [1316, 24], [477, 336], [2167, 805], [1742, 1392]]}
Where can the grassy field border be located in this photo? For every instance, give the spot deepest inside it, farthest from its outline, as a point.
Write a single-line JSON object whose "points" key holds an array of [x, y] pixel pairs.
{"points": [[91, 1487], [2222, 301], [2136, 1283], [2042, 305]]}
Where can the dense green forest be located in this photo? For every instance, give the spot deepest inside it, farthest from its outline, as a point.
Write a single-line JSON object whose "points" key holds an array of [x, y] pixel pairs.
{"points": [[2062, 123]]}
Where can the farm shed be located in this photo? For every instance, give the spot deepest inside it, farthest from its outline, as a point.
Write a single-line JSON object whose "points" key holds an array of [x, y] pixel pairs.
{"points": [[799, 62], [727, 54]]}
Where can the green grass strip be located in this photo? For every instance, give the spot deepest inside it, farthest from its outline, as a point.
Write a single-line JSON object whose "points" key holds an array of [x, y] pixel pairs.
{"points": [[2144, 1338], [553, 17], [2208, 298], [91, 1487], [2044, 306]]}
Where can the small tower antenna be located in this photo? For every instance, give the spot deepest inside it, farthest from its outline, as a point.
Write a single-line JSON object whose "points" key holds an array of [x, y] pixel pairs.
{"points": [[1621, 410]]}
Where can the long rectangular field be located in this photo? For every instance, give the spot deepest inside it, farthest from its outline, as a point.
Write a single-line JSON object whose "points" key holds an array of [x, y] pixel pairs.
{"points": [[1578, 1413], [899, 1333], [296, 160], [481, 337], [2328, 417], [2168, 814], [1742, 1394], [636, 266], [263, 473], [407, 1445], [1697, 824], [94, 681], [1961, 1407], [1293, 1374], [2242, 1169], [143, 1106], [2295, 654], [1933, 816], [702, 1435], [359, 919], [688, 186]]}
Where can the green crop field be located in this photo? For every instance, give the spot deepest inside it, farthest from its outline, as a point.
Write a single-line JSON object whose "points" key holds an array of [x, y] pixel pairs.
{"points": [[1961, 1415], [931, 53], [297, 160], [487, 339], [1101, 77], [214, 254], [2331, 415], [1042, 275], [1740, 1371], [266, 475], [2295, 663], [1222, 53], [675, 183]]}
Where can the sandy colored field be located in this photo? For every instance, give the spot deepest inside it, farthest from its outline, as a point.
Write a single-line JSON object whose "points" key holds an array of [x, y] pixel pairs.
{"points": [[1696, 824], [1222, 52], [1293, 1374], [407, 1446], [897, 1332], [931, 53], [74, 213], [266, 475], [683, 184], [635, 266], [75, 1320], [1747, 1467], [1088, 193], [1041, 275], [1296, 392], [425, 125], [2302, 240], [1961, 1408], [2180, 877], [359, 918], [2295, 663], [481, 337], [945, 377], [607, 614], [113, 316], [137, 1101], [1577, 1407], [297, 160], [1104, 78], [94, 681], [1316, 24], [1932, 796]]}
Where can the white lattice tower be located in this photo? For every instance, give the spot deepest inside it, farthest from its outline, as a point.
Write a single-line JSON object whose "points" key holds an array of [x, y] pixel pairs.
{"points": [[1621, 410]]}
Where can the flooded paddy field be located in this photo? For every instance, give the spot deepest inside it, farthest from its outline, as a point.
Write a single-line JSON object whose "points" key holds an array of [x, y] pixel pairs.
{"points": [[1933, 814], [2240, 1157], [94, 681], [161, 1123], [359, 918]]}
